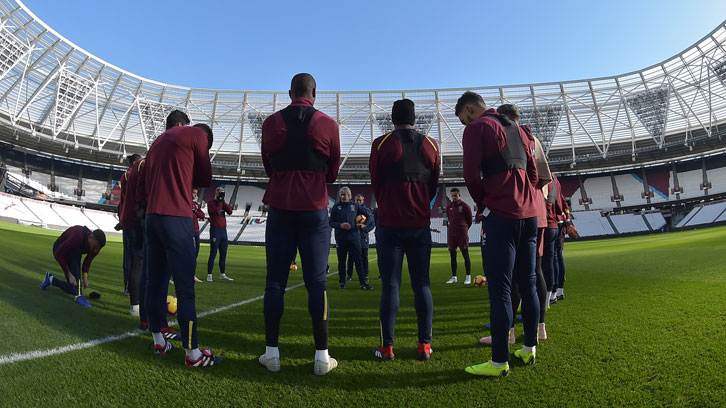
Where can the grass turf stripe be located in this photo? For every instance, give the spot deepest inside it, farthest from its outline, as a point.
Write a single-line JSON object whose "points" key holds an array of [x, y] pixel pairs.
{"points": [[32, 355]]}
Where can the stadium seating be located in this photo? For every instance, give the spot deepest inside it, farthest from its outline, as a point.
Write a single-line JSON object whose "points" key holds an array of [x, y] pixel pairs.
{"points": [[717, 178], [248, 194], [12, 207], [599, 189], [95, 189], [254, 231], [44, 211], [705, 214], [102, 219], [656, 220], [690, 182], [73, 215], [627, 223], [234, 226], [591, 224], [631, 188]]}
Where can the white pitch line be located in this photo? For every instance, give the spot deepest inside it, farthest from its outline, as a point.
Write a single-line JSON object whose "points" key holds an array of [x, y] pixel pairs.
{"points": [[14, 358]]}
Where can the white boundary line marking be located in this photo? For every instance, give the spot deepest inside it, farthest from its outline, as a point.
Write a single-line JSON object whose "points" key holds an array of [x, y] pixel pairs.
{"points": [[32, 355]]}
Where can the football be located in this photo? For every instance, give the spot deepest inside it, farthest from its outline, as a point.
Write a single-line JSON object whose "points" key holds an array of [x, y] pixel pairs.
{"points": [[171, 305], [480, 280], [360, 219]]}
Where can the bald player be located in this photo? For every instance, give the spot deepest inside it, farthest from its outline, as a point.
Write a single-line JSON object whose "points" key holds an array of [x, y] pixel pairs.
{"points": [[301, 153]]}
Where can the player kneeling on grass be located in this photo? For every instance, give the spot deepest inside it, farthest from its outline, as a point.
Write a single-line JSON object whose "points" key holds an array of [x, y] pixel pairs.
{"points": [[67, 250], [404, 167]]}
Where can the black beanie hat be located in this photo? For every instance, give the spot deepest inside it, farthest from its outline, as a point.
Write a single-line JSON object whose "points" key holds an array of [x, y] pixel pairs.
{"points": [[403, 112]]}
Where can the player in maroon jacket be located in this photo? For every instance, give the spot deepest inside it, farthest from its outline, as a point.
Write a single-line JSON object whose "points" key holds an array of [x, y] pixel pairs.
{"points": [[218, 240], [404, 167], [301, 153], [178, 160], [459, 219], [501, 174], [121, 210], [67, 250], [133, 232]]}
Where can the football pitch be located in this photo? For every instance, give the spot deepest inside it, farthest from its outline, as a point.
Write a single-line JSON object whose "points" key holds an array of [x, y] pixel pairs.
{"points": [[642, 324]]}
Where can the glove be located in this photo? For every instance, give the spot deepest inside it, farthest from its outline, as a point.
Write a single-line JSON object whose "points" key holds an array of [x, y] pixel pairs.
{"points": [[572, 232], [118, 227], [95, 295]]}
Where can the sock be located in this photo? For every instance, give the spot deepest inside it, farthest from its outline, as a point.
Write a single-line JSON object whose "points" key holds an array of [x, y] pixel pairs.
{"points": [[560, 291], [193, 354], [322, 355], [158, 339], [272, 352], [51, 279], [498, 365], [553, 295], [528, 349]]}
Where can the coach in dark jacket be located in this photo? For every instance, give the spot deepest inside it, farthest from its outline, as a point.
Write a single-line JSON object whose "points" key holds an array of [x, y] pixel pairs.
{"points": [[347, 236], [364, 229]]}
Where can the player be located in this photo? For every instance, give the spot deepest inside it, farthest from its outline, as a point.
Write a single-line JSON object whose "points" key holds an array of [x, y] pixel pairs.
{"points": [[218, 233], [404, 167], [364, 230], [178, 159], [544, 177], [133, 232], [197, 215], [126, 235], [564, 226], [301, 153], [459, 218], [500, 173], [347, 236], [67, 251]]}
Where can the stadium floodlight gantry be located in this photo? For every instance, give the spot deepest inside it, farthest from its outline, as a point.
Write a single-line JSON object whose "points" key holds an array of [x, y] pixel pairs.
{"points": [[59, 99]]}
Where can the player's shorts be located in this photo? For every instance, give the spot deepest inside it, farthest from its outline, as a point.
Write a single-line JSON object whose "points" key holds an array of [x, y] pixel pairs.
{"points": [[458, 239]]}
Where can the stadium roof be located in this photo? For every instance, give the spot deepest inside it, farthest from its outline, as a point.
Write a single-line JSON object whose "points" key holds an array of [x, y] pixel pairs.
{"points": [[57, 98]]}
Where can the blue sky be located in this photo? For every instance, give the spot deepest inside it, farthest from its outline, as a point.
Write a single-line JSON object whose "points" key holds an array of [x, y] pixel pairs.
{"points": [[374, 45]]}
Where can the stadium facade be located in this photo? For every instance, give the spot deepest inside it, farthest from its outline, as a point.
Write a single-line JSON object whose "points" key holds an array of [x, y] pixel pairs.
{"points": [[59, 99]]}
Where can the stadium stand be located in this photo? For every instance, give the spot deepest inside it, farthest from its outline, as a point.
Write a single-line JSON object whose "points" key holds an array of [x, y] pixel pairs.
{"points": [[254, 232], [599, 190], [102, 219], [94, 189], [12, 208], [631, 188], [717, 178], [628, 223], [234, 226], [591, 224], [690, 181], [248, 194], [656, 220], [704, 214], [44, 211], [73, 215]]}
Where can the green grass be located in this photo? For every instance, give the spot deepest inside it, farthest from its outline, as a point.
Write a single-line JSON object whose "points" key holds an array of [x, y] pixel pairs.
{"points": [[642, 325]]}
